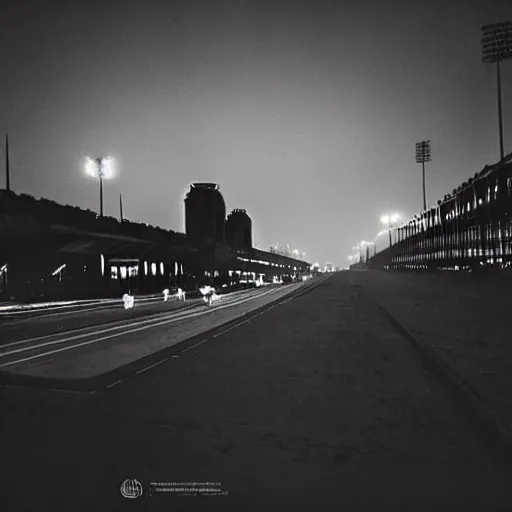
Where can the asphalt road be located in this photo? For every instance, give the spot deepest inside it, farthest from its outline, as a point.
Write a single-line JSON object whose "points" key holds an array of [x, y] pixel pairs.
{"points": [[315, 404]]}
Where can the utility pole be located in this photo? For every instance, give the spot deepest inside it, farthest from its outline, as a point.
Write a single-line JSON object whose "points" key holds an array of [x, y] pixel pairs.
{"points": [[121, 207]]}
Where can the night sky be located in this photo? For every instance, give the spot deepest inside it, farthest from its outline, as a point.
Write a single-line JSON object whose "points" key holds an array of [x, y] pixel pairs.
{"points": [[305, 113]]}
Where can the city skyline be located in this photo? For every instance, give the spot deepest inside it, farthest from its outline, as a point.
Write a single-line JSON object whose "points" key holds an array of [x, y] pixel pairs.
{"points": [[305, 113]]}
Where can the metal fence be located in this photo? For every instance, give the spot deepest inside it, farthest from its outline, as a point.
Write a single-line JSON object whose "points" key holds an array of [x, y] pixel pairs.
{"points": [[469, 228]]}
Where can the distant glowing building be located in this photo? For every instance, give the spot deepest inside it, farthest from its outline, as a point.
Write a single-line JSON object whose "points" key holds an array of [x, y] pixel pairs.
{"points": [[205, 213]]}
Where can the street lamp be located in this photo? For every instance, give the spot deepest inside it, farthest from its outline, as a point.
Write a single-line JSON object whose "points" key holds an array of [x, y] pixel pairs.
{"points": [[102, 168], [390, 221], [365, 245], [422, 156], [497, 46]]}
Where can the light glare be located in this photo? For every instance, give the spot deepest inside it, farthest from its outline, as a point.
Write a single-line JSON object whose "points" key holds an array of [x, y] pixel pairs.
{"points": [[103, 167]]}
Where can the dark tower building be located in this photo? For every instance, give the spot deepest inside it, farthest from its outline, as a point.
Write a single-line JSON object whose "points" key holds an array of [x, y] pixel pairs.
{"points": [[239, 230], [205, 213]]}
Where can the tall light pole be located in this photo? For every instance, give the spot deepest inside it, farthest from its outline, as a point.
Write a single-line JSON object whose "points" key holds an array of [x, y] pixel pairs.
{"points": [[364, 246], [7, 170], [497, 46], [390, 221], [422, 156], [121, 208], [101, 168]]}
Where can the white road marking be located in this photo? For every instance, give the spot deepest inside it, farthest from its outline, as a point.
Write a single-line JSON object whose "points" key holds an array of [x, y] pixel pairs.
{"points": [[153, 323], [71, 391], [178, 314], [114, 384], [82, 344], [229, 329], [193, 346], [152, 366]]}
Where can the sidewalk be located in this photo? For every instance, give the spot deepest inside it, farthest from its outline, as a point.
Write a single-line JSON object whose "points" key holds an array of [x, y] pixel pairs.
{"points": [[466, 321]]}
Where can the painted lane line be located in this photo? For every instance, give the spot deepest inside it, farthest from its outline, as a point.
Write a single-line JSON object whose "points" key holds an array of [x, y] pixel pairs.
{"points": [[174, 314], [44, 354], [25, 317], [152, 366], [53, 306], [193, 346], [15, 386], [114, 384], [170, 318], [70, 391], [74, 336], [229, 329], [114, 335]]}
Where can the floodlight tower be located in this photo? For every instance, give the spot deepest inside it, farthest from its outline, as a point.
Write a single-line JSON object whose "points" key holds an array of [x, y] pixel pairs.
{"points": [[422, 156], [102, 168], [497, 46]]}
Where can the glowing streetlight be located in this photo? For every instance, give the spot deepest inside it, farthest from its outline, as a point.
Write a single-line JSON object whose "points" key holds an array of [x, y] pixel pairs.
{"points": [[102, 168], [390, 221]]}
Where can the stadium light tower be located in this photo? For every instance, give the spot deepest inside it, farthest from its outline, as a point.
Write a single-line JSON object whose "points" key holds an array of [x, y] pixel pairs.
{"points": [[497, 46], [422, 156], [102, 168]]}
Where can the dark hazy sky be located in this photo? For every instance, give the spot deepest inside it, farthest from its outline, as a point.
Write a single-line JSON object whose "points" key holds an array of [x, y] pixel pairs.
{"points": [[305, 113]]}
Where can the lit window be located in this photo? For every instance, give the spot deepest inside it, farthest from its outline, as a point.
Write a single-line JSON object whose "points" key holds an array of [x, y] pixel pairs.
{"points": [[153, 269], [146, 268], [161, 268], [113, 272], [123, 272]]}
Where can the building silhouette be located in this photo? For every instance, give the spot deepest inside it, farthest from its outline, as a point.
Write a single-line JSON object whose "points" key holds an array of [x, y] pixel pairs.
{"points": [[239, 230], [205, 213]]}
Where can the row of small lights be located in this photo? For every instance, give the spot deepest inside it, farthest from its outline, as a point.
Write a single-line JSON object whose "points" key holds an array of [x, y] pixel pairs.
{"points": [[391, 221]]}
